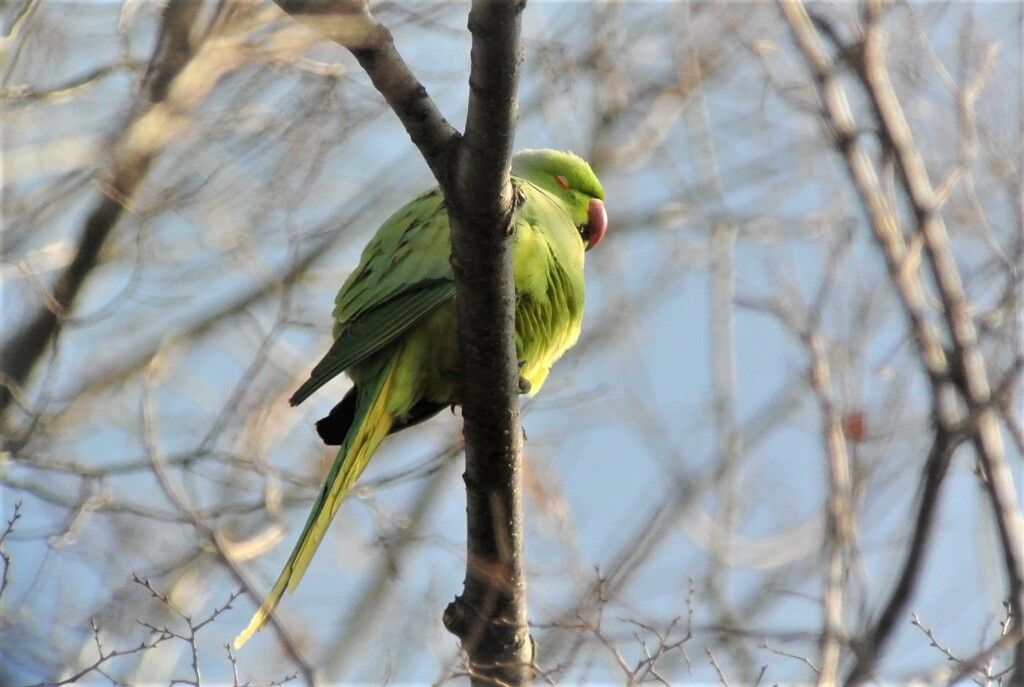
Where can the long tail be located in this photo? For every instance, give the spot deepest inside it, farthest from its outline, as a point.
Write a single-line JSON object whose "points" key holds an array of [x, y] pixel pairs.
{"points": [[369, 427]]}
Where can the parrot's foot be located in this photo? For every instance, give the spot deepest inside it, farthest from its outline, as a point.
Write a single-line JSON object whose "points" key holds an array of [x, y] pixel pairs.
{"points": [[524, 385], [518, 198]]}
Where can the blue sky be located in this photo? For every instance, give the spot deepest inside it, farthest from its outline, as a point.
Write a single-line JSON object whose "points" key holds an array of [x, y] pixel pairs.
{"points": [[626, 422]]}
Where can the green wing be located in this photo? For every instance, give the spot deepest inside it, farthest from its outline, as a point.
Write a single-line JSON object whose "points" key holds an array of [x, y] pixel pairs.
{"points": [[402, 275], [411, 247], [373, 330]]}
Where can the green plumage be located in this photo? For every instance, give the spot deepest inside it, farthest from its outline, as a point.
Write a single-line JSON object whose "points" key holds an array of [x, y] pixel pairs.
{"points": [[395, 323]]}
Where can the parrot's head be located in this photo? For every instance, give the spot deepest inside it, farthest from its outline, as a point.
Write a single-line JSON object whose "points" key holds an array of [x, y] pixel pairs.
{"points": [[570, 179]]}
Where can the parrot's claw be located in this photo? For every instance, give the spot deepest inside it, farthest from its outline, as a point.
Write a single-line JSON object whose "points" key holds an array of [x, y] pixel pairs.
{"points": [[518, 199], [518, 196], [454, 262], [524, 385]]}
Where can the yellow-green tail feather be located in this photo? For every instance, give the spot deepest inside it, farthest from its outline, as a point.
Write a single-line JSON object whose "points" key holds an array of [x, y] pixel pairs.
{"points": [[369, 427]]}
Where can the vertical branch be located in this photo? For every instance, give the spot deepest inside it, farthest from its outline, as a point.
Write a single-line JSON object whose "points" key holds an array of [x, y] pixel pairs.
{"points": [[722, 292], [473, 172], [840, 518], [839, 521], [723, 367], [489, 616]]}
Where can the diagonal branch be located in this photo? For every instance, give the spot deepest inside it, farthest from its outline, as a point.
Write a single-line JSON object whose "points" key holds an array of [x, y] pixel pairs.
{"points": [[971, 378], [23, 350], [350, 24], [962, 370], [181, 75], [936, 468]]}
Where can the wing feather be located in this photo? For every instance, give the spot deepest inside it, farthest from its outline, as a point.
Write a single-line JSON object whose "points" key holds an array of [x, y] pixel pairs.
{"points": [[402, 275], [374, 329], [412, 246]]}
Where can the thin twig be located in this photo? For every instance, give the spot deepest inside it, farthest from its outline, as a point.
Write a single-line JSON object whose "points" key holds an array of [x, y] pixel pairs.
{"points": [[215, 538], [718, 669], [4, 556], [802, 659], [105, 657]]}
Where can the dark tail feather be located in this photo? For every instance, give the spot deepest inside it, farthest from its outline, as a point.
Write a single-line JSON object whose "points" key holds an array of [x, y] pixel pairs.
{"points": [[333, 428], [424, 410]]}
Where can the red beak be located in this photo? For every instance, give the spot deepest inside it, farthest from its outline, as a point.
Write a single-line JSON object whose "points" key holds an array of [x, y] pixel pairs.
{"points": [[597, 222]]}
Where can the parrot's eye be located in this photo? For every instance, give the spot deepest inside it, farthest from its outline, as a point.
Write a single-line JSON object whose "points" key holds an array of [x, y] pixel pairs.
{"points": [[562, 181]]}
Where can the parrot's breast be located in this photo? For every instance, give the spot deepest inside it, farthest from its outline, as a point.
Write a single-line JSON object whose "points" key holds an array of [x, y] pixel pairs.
{"points": [[547, 324], [548, 266]]}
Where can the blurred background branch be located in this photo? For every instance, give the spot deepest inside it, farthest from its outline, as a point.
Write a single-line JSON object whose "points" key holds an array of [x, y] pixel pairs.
{"points": [[678, 476]]}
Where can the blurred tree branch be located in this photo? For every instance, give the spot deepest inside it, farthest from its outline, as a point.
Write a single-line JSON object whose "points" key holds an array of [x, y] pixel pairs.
{"points": [[139, 143], [960, 370], [215, 540], [186, 65]]}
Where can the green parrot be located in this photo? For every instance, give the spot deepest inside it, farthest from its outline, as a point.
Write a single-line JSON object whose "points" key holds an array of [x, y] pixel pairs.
{"points": [[395, 331]]}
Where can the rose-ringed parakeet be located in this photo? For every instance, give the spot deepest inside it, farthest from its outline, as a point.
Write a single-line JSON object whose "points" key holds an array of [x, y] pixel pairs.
{"points": [[395, 329]]}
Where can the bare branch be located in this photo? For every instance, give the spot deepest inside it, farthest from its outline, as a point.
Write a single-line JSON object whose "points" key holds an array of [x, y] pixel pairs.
{"points": [[490, 614], [718, 669], [840, 515], [211, 535], [645, 460], [104, 656]]}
